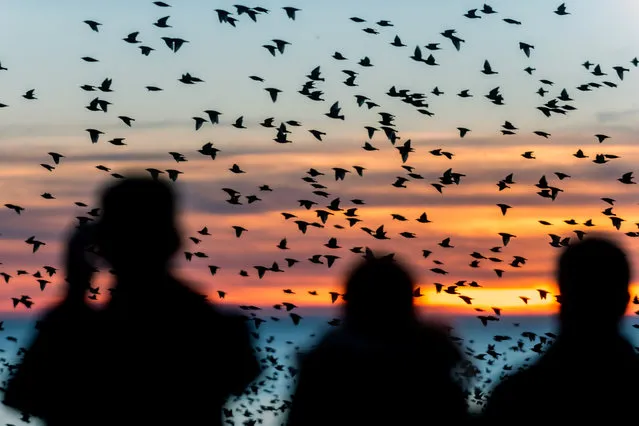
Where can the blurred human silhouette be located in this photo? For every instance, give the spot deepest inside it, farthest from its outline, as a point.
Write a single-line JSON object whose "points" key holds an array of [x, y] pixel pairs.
{"points": [[590, 371], [159, 352], [56, 369], [382, 365]]}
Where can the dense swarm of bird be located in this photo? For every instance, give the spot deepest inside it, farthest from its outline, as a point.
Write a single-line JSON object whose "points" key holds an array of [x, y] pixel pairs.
{"points": [[327, 209]]}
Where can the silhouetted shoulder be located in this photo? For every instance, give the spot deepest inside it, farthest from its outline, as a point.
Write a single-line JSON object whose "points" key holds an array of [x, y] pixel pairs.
{"points": [[195, 304], [437, 342], [506, 399], [229, 339], [48, 380], [605, 374], [424, 341], [185, 294], [209, 350], [226, 332], [347, 374], [180, 298]]}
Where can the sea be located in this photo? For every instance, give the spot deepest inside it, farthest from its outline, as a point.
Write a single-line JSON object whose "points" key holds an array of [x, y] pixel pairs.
{"points": [[284, 340]]}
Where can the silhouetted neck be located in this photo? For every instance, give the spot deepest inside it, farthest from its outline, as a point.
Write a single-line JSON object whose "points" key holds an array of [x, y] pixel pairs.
{"points": [[381, 330], [601, 335], [143, 281]]}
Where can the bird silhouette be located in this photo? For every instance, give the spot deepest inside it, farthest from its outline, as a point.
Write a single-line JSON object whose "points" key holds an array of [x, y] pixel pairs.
{"points": [[331, 203]]}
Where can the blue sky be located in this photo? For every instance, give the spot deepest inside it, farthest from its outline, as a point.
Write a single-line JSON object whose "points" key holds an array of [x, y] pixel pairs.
{"points": [[47, 58]]}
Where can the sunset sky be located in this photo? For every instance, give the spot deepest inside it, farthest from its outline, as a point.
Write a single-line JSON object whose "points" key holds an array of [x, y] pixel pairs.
{"points": [[48, 40]]}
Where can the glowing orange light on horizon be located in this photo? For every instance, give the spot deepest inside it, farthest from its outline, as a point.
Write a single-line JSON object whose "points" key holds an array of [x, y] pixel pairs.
{"points": [[268, 294]]}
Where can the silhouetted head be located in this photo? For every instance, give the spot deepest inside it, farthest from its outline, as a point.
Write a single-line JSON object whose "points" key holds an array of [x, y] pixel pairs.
{"points": [[593, 275], [137, 228], [379, 295]]}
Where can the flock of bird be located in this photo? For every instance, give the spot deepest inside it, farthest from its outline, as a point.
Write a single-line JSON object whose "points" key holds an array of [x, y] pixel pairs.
{"points": [[327, 206]]}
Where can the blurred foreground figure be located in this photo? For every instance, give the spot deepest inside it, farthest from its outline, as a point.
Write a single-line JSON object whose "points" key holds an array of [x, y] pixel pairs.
{"points": [[590, 372], [382, 366], [158, 353], [54, 380]]}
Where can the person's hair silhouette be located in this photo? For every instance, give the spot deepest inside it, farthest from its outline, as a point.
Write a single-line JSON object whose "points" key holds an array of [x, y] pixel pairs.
{"points": [[383, 365], [379, 285], [158, 353], [137, 231], [590, 370], [594, 272]]}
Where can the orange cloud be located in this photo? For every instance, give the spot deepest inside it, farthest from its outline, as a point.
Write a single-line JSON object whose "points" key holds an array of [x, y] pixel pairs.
{"points": [[461, 213]]}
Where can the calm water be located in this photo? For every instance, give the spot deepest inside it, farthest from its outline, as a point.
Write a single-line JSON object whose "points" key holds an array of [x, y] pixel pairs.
{"points": [[283, 340]]}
